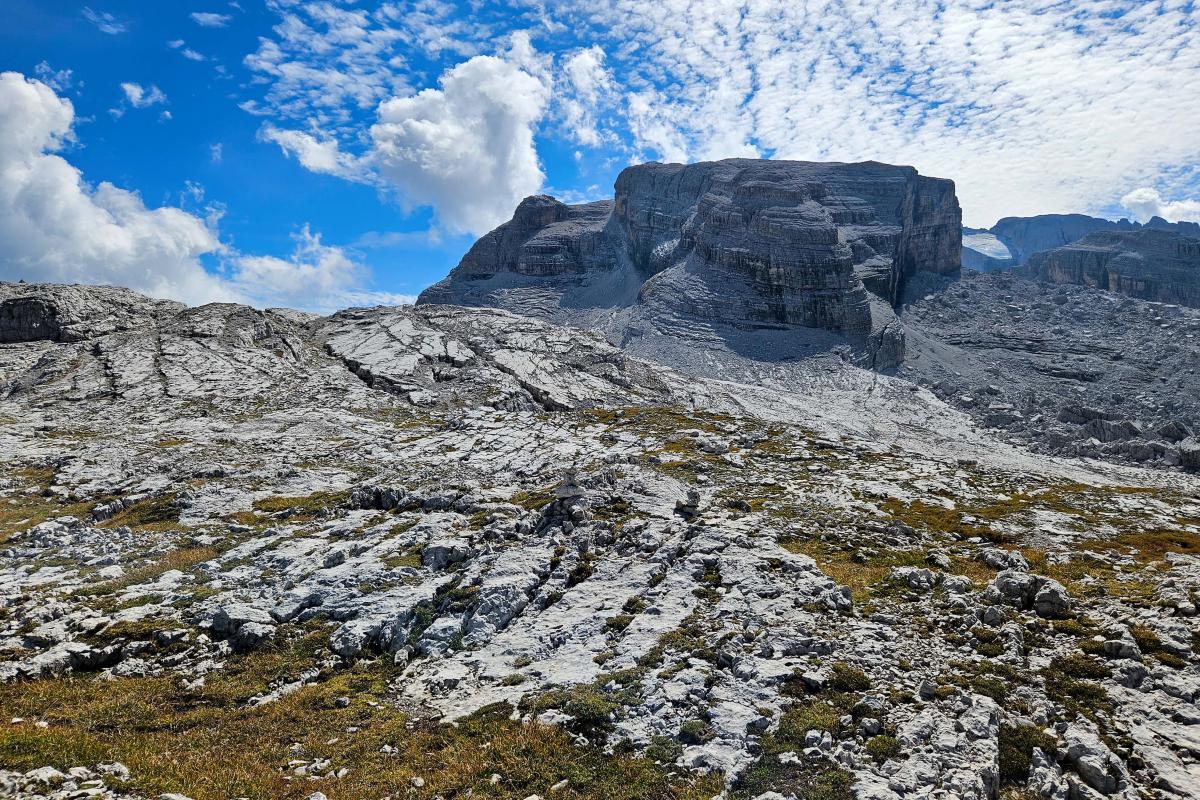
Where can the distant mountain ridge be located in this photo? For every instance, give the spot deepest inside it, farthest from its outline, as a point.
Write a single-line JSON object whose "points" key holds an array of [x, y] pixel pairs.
{"points": [[1013, 240]]}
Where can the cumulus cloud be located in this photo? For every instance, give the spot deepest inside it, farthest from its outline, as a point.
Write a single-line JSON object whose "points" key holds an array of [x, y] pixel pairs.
{"points": [[105, 22], [317, 277], [55, 226], [1145, 203], [467, 147], [208, 19]]}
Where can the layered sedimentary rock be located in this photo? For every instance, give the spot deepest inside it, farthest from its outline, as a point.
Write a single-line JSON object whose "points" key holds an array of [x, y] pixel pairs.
{"points": [[1149, 264], [1014, 240], [72, 313], [739, 243]]}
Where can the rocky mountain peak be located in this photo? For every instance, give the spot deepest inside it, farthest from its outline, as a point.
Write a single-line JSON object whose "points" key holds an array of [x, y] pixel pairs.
{"points": [[736, 245]]}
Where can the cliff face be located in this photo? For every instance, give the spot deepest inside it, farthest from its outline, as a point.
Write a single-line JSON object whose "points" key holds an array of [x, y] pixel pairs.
{"points": [[544, 238], [1025, 236], [1149, 264], [742, 243]]}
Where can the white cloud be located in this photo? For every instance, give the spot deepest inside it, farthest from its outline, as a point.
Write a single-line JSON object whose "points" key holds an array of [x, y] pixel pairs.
{"points": [[1145, 203], [175, 44], [141, 97], [464, 148], [1031, 106], [324, 62], [191, 54], [59, 80], [322, 155], [317, 277], [207, 19], [216, 152], [467, 148], [55, 226], [588, 86], [105, 22]]}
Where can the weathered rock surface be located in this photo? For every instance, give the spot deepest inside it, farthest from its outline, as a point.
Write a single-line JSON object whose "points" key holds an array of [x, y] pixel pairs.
{"points": [[1065, 369], [729, 246], [788, 584], [1161, 266]]}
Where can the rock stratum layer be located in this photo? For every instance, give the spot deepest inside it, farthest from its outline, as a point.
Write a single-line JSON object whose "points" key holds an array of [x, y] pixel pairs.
{"points": [[1012, 241], [1157, 265], [739, 244], [270, 554]]}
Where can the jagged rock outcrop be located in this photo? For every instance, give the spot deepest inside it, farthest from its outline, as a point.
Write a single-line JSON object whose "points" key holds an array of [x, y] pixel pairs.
{"points": [[1069, 369], [738, 244], [62, 313], [1149, 264]]}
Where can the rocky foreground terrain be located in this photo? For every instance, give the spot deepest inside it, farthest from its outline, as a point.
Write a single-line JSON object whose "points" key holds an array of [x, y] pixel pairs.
{"points": [[444, 552]]}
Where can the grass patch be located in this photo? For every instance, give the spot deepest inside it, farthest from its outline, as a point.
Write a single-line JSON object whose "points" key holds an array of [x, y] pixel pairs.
{"points": [[882, 747], [848, 678], [31, 503], [1071, 681], [153, 513], [208, 745], [1016, 751], [533, 499], [302, 509], [182, 559], [406, 558]]}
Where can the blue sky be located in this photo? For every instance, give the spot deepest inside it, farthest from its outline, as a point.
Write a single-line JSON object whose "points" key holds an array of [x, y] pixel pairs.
{"points": [[330, 152]]}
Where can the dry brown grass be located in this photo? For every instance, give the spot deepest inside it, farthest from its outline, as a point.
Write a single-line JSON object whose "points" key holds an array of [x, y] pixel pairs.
{"points": [[182, 559], [208, 745]]}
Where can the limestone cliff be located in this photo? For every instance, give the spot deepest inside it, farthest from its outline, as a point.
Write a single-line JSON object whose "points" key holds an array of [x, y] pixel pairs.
{"points": [[1149, 264], [738, 245]]}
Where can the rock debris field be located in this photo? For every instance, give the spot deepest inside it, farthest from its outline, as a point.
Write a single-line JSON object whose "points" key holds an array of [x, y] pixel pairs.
{"points": [[443, 552]]}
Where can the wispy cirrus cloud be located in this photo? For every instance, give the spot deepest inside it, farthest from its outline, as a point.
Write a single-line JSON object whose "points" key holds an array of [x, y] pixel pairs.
{"points": [[105, 22], [1030, 106]]}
